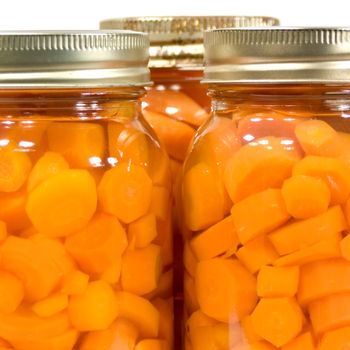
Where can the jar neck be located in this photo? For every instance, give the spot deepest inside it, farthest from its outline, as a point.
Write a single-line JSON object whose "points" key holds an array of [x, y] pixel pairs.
{"points": [[176, 75]]}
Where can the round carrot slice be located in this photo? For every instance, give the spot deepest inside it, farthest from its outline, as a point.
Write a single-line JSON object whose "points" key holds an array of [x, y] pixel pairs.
{"points": [[11, 292]]}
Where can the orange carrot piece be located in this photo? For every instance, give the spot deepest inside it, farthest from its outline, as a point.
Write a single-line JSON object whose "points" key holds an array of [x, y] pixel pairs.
{"points": [[304, 341], [277, 320], [274, 282], [141, 269], [175, 105], [160, 202], [175, 135], [339, 339], [166, 312], [125, 191], [144, 230], [121, 334], [152, 344], [325, 249], [14, 169], [292, 237], [259, 165], [112, 274], [330, 312], [257, 253], [140, 312], [232, 289], [3, 231], [347, 211], [345, 247], [11, 292], [269, 213], [334, 172], [51, 305], [165, 238], [75, 283], [305, 196], [98, 245], [95, 309], [83, 144], [203, 200], [190, 295], [48, 165], [215, 241], [323, 278], [63, 204], [190, 260], [259, 345], [165, 286], [249, 334]]}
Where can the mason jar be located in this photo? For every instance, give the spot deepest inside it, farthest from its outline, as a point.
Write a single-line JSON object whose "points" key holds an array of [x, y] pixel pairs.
{"points": [[266, 193], [85, 223]]}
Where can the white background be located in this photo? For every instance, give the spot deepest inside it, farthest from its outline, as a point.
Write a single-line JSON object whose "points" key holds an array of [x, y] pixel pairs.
{"points": [[86, 14]]}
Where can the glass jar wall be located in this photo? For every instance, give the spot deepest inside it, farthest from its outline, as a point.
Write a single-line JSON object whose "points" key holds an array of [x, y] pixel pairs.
{"points": [[86, 236], [265, 197]]}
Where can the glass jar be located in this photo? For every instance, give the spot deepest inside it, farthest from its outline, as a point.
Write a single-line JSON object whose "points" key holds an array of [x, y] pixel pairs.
{"points": [[85, 224], [266, 194]]}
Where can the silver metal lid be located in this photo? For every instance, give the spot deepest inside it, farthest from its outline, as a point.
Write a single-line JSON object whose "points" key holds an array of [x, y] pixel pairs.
{"points": [[73, 59], [178, 41], [277, 55]]}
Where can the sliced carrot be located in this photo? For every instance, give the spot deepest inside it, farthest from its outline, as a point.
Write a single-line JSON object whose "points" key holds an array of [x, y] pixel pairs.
{"points": [[127, 144], [257, 253], [215, 241], [144, 230], [203, 200], [166, 324], [140, 312], [48, 165], [334, 172], [304, 341], [305, 196], [277, 282], [75, 283], [126, 192], [347, 211], [3, 231], [63, 204], [81, 143], [330, 312], [174, 134], [13, 210], [277, 320], [51, 305], [38, 269], [232, 289], [338, 339], [198, 319], [291, 238], [190, 260], [165, 286], [249, 334], [152, 344], [97, 246], [259, 165], [175, 105], [121, 334], [259, 345], [112, 274], [202, 338], [226, 335], [322, 278], [190, 295], [269, 213], [15, 166], [345, 247], [160, 168], [4, 344], [141, 269], [160, 202], [95, 309], [11, 292]]}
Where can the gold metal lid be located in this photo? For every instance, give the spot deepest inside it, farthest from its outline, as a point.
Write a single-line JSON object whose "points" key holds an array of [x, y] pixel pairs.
{"points": [[277, 55], [178, 41], [73, 59]]}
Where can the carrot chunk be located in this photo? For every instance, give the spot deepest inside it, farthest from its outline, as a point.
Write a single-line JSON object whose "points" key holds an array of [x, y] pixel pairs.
{"points": [[277, 320], [257, 253], [330, 312], [160, 202], [345, 247], [141, 269], [51, 305], [305, 196], [125, 191], [249, 334], [190, 295], [190, 260], [292, 237], [338, 339], [152, 344], [259, 345], [144, 230], [48, 165], [165, 238], [269, 213], [165, 286], [63, 204], [322, 278], [232, 289], [333, 172], [274, 282], [140, 312], [98, 245], [82, 144], [215, 241], [75, 283], [95, 309], [166, 326], [11, 292], [3, 231], [304, 341], [259, 165]]}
